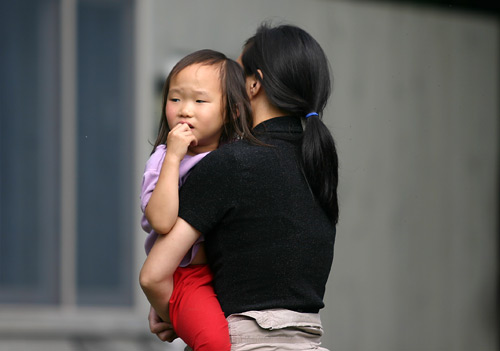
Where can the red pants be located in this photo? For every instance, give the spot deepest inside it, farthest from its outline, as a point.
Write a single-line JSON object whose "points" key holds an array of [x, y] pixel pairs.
{"points": [[195, 312]]}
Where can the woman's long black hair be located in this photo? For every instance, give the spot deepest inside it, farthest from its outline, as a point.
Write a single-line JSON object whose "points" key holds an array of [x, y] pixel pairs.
{"points": [[296, 79]]}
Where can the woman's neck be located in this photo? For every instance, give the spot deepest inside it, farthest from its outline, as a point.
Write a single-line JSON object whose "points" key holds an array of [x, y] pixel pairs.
{"points": [[263, 112]]}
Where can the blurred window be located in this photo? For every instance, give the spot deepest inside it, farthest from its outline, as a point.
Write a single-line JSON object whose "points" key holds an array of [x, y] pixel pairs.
{"points": [[105, 150], [31, 166]]}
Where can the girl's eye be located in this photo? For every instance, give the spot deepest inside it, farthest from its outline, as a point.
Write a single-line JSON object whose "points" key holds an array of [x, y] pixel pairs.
{"points": [[200, 101], [174, 99]]}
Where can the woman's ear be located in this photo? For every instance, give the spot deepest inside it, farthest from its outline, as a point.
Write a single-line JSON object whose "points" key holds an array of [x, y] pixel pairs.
{"points": [[260, 74], [254, 85]]}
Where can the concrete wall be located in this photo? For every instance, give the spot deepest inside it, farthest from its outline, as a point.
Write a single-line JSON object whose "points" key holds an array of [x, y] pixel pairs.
{"points": [[415, 116]]}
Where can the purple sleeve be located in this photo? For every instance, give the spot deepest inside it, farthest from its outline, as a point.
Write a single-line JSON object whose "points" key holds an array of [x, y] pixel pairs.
{"points": [[149, 180]]}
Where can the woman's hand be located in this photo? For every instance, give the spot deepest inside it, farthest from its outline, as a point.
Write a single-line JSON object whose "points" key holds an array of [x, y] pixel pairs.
{"points": [[178, 141], [163, 329]]}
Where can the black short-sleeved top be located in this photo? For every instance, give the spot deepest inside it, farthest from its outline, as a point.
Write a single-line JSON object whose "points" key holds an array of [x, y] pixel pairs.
{"points": [[268, 242]]}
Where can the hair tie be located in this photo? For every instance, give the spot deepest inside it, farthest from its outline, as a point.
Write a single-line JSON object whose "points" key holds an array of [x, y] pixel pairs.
{"points": [[311, 114]]}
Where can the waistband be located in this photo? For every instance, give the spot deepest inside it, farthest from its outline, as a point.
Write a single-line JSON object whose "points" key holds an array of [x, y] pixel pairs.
{"points": [[262, 329]]}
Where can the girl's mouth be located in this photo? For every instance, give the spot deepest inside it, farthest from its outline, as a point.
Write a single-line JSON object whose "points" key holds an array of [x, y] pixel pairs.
{"points": [[189, 124]]}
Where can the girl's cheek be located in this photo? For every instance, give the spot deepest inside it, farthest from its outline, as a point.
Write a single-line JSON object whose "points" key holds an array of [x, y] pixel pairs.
{"points": [[170, 112]]}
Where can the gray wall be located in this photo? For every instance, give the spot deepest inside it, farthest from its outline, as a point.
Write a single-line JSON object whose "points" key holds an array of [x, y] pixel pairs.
{"points": [[415, 116]]}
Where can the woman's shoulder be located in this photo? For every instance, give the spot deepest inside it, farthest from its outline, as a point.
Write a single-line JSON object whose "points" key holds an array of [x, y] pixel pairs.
{"points": [[226, 156], [221, 154], [234, 150]]}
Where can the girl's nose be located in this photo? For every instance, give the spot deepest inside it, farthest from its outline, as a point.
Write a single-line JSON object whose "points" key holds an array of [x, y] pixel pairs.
{"points": [[186, 110]]}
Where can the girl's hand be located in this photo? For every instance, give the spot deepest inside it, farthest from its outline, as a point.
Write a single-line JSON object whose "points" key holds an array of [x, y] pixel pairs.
{"points": [[163, 330], [179, 139]]}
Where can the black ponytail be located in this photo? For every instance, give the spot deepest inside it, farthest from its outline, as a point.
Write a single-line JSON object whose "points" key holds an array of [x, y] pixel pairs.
{"points": [[320, 164], [296, 79]]}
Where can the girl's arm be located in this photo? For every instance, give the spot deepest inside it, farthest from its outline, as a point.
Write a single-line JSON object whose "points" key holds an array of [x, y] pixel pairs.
{"points": [[163, 207], [156, 277]]}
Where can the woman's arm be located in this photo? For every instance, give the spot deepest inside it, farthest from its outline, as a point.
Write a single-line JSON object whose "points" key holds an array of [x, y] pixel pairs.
{"points": [[163, 207], [162, 329], [156, 277]]}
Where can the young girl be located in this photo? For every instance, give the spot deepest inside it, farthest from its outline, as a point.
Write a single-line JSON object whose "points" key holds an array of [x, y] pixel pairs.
{"points": [[204, 104]]}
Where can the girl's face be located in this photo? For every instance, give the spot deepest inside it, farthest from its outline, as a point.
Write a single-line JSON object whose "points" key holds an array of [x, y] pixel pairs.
{"points": [[195, 98]]}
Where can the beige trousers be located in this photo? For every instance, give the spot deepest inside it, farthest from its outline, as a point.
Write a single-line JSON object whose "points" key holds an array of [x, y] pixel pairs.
{"points": [[273, 330]]}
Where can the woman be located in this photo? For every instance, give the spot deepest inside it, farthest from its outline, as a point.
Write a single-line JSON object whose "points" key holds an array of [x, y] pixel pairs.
{"points": [[268, 212]]}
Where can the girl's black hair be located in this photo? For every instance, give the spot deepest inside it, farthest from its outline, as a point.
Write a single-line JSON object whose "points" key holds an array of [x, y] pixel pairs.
{"points": [[296, 79], [237, 115]]}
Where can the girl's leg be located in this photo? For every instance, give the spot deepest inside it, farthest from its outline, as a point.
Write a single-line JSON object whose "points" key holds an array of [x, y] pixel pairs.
{"points": [[195, 311]]}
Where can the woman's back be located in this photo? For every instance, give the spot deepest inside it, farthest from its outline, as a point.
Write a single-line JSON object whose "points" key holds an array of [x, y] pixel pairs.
{"points": [[269, 244]]}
